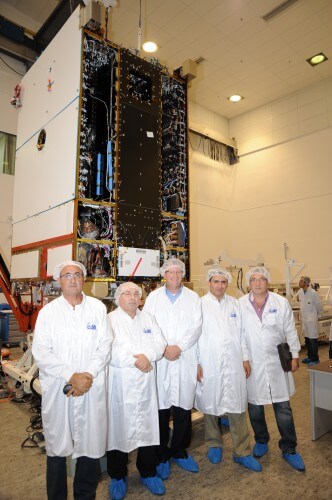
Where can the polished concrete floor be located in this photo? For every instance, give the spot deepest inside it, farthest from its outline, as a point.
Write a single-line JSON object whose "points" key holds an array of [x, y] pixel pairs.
{"points": [[22, 471]]}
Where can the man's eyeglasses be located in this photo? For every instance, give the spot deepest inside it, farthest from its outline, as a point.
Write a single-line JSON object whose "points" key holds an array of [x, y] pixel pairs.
{"points": [[257, 280], [69, 276]]}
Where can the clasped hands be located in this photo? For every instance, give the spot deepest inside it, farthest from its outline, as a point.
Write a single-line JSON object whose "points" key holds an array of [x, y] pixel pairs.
{"points": [[81, 383], [172, 352], [142, 363]]}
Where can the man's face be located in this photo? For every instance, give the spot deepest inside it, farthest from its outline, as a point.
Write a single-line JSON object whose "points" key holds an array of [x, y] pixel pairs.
{"points": [[71, 281], [173, 277], [129, 301], [302, 283], [258, 283], [218, 286]]}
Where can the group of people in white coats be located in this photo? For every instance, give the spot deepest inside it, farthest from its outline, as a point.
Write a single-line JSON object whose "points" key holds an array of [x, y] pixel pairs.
{"points": [[125, 375], [239, 366]]}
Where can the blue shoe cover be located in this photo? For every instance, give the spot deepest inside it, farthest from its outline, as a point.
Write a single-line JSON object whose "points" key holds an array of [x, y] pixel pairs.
{"points": [[164, 470], [154, 484], [260, 449], [215, 455], [312, 363], [294, 460], [118, 488], [224, 422], [306, 360], [249, 462], [187, 464]]}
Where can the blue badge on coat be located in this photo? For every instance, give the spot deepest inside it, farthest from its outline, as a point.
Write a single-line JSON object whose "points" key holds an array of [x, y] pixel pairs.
{"points": [[233, 315], [91, 326], [147, 330], [272, 310]]}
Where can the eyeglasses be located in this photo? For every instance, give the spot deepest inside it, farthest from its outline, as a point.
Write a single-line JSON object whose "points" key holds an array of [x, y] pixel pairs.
{"points": [[69, 276], [174, 273], [129, 294], [257, 280]]}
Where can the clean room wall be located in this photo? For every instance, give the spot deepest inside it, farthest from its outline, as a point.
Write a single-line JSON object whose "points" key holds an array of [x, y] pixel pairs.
{"points": [[210, 184], [283, 195], [282, 190], [209, 195]]}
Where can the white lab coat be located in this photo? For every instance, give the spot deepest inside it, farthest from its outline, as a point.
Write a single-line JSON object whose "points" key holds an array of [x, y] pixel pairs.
{"points": [[132, 394], [310, 309], [71, 340], [222, 350], [268, 382], [181, 325]]}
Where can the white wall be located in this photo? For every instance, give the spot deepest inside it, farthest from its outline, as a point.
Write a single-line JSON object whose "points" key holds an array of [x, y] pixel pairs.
{"points": [[280, 192], [8, 124], [209, 194]]}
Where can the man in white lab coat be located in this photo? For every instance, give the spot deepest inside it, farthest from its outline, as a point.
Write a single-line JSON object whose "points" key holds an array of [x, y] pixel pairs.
{"points": [[222, 371], [71, 345], [310, 309], [267, 321], [178, 313], [132, 403]]}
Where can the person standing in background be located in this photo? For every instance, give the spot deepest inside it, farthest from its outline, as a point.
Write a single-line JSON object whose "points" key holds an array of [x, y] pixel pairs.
{"points": [[310, 310]]}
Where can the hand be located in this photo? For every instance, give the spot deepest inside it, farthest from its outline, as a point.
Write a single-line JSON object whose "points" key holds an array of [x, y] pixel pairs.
{"points": [[295, 364], [81, 383], [247, 368], [142, 363], [199, 373], [172, 352]]}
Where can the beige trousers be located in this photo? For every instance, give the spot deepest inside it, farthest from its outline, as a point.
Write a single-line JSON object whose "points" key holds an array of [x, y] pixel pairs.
{"points": [[239, 433]]}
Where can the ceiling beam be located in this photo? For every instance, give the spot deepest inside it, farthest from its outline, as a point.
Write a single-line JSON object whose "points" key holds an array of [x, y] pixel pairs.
{"points": [[15, 43]]}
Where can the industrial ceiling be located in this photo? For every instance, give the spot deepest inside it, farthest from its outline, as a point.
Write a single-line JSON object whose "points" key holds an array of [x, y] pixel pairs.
{"points": [[255, 48]]}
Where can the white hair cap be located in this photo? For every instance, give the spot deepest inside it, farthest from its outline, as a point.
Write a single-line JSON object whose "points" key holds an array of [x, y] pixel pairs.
{"points": [[128, 285], [219, 272], [172, 262], [258, 270], [306, 279], [58, 268]]}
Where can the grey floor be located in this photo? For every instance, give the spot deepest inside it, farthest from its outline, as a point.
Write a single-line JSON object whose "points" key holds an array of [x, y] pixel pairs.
{"points": [[22, 471]]}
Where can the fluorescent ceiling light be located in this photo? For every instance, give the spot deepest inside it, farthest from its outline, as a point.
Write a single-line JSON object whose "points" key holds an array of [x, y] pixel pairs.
{"points": [[235, 98], [150, 47], [317, 59]]}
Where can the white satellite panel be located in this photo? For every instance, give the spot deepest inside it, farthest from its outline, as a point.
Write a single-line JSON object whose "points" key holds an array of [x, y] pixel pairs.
{"points": [[58, 254], [25, 265], [133, 262]]}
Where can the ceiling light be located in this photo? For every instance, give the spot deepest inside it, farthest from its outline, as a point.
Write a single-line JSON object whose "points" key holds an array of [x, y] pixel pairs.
{"points": [[150, 47], [317, 59], [235, 98]]}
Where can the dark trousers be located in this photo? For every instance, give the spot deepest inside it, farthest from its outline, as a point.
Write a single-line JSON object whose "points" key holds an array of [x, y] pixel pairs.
{"points": [[181, 436], [312, 348], [285, 423], [146, 462], [85, 481], [330, 350]]}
